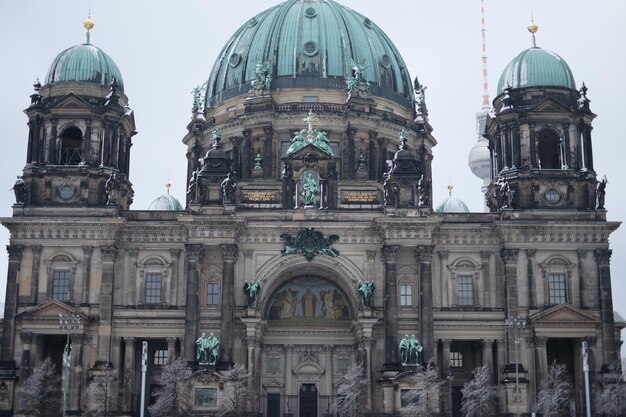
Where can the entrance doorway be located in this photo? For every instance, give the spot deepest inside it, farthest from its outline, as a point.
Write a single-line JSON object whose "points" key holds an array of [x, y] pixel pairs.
{"points": [[562, 351], [308, 400]]}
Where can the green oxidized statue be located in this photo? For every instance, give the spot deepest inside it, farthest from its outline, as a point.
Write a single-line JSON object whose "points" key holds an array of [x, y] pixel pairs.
{"points": [[310, 189]]}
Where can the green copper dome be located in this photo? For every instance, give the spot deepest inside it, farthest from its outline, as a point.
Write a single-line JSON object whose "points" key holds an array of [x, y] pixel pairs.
{"points": [[85, 63], [166, 202], [309, 43], [536, 67]]}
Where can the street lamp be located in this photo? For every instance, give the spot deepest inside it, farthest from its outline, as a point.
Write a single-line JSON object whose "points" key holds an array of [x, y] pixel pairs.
{"points": [[69, 324], [516, 324]]}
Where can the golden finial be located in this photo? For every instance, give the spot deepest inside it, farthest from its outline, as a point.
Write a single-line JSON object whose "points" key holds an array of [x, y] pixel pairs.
{"points": [[168, 185], [450, 188], [88, 24], [533, 28]]}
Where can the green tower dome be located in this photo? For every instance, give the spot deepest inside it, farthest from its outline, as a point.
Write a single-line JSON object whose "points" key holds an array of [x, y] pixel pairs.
{"points": [[310, 43], [536, 67], [84, 63]]}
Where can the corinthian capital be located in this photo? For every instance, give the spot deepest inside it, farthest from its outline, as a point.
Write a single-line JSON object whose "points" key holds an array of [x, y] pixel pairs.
{"points": [[230, 252], [194, 252], [509, 255], [390, 254], [108, 253], [424, 253], [603, 256], [15, 252]]}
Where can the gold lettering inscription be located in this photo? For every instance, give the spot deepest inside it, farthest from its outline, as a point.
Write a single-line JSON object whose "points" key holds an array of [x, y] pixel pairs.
{"points": [[358, 197], [259, 196]]}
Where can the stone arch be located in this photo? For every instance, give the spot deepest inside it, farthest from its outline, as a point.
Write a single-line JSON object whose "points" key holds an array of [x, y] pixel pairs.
{"points": [[70, 146], [340, 271], [549, 148]]}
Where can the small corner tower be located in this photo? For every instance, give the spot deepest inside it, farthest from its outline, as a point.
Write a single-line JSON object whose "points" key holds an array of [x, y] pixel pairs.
{"points": [[540, 136], [80, 130]]}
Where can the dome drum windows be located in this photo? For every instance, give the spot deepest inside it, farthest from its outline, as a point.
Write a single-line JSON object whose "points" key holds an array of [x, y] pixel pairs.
{"points": [[550, 150], [70, 144]]}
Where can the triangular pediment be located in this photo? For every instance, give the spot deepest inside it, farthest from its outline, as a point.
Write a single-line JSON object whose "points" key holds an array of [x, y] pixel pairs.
{"points": [[273, 383], [71, 101], [308, 152], [564, 314], [550, 105], [49, 311]]}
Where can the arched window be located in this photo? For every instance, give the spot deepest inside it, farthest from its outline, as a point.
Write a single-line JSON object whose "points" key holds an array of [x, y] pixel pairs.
{"points": [[548, 150], [557, 275], [61, 273], [70, 146], [153, 275]]}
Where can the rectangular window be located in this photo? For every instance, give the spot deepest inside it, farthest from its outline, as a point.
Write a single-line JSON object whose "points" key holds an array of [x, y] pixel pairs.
{"points": [[61, 285], [205, 397], [153, 288], [456, 359], [160, 357], [557, 290], [212, 294], [464, 291], [309, 99], [409, 397], [406, 296]]}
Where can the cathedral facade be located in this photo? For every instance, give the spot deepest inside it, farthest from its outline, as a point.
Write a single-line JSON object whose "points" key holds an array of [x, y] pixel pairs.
{"points": [[308, 240]]}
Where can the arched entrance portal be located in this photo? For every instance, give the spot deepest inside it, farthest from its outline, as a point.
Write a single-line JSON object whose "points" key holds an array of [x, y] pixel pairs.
{"points": [[309, 341]]}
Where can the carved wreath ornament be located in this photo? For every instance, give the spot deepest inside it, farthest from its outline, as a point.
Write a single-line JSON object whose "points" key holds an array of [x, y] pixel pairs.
{"points": [[309, 242]]}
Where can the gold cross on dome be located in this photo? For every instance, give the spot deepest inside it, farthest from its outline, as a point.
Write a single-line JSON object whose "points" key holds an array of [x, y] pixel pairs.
{"points": [[310, 119]]}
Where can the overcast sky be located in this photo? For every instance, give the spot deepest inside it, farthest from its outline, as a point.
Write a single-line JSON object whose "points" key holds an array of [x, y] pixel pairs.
{"points": [[164, 50]]}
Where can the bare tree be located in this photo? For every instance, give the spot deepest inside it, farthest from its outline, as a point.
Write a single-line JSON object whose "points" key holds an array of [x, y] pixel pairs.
{"points": [[41, 392], [556, 390], [479, 396], [352, 395], [612, 401], [102, 394], [423, 401], [172, 398], [233, 398]]}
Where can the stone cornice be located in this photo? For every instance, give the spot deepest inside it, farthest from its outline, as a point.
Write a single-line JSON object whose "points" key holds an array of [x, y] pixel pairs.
{"points": [[38, 231]]}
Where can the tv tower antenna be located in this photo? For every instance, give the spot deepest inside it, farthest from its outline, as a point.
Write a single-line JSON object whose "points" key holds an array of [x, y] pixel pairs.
{"points": [[486, 105]]}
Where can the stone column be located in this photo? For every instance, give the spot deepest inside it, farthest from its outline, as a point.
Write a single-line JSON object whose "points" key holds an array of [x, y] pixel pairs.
{"points": [[171, 349], [133, 282], [268, 152], [541, 353], [84, 296], [390, 309], [446, 372], [108, 254], [289, 370], [446, 290], [116, 353], [488, 357], [368, 342], [509, 256], [25, 364], [530, 271], [230, 253], [76, 374], [603, 259], [373, 168], [424, 256], [129, 374], [382, 146], [173, 301], [586, 289], [34, 279], [194, 254], [350, 166], [51, 159], [245, 155], [10, 306], [328, 374], [254, 372]]}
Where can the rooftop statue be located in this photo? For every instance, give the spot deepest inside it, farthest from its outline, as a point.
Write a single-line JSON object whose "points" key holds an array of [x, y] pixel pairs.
{"points": [[310, 136], [263, 79]]}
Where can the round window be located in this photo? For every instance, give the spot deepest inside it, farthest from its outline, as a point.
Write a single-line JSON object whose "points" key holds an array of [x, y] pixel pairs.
{"points": [[310, 12], [234, 60], [66, 191], [310, 48], [385, 61], [552, 195]]}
